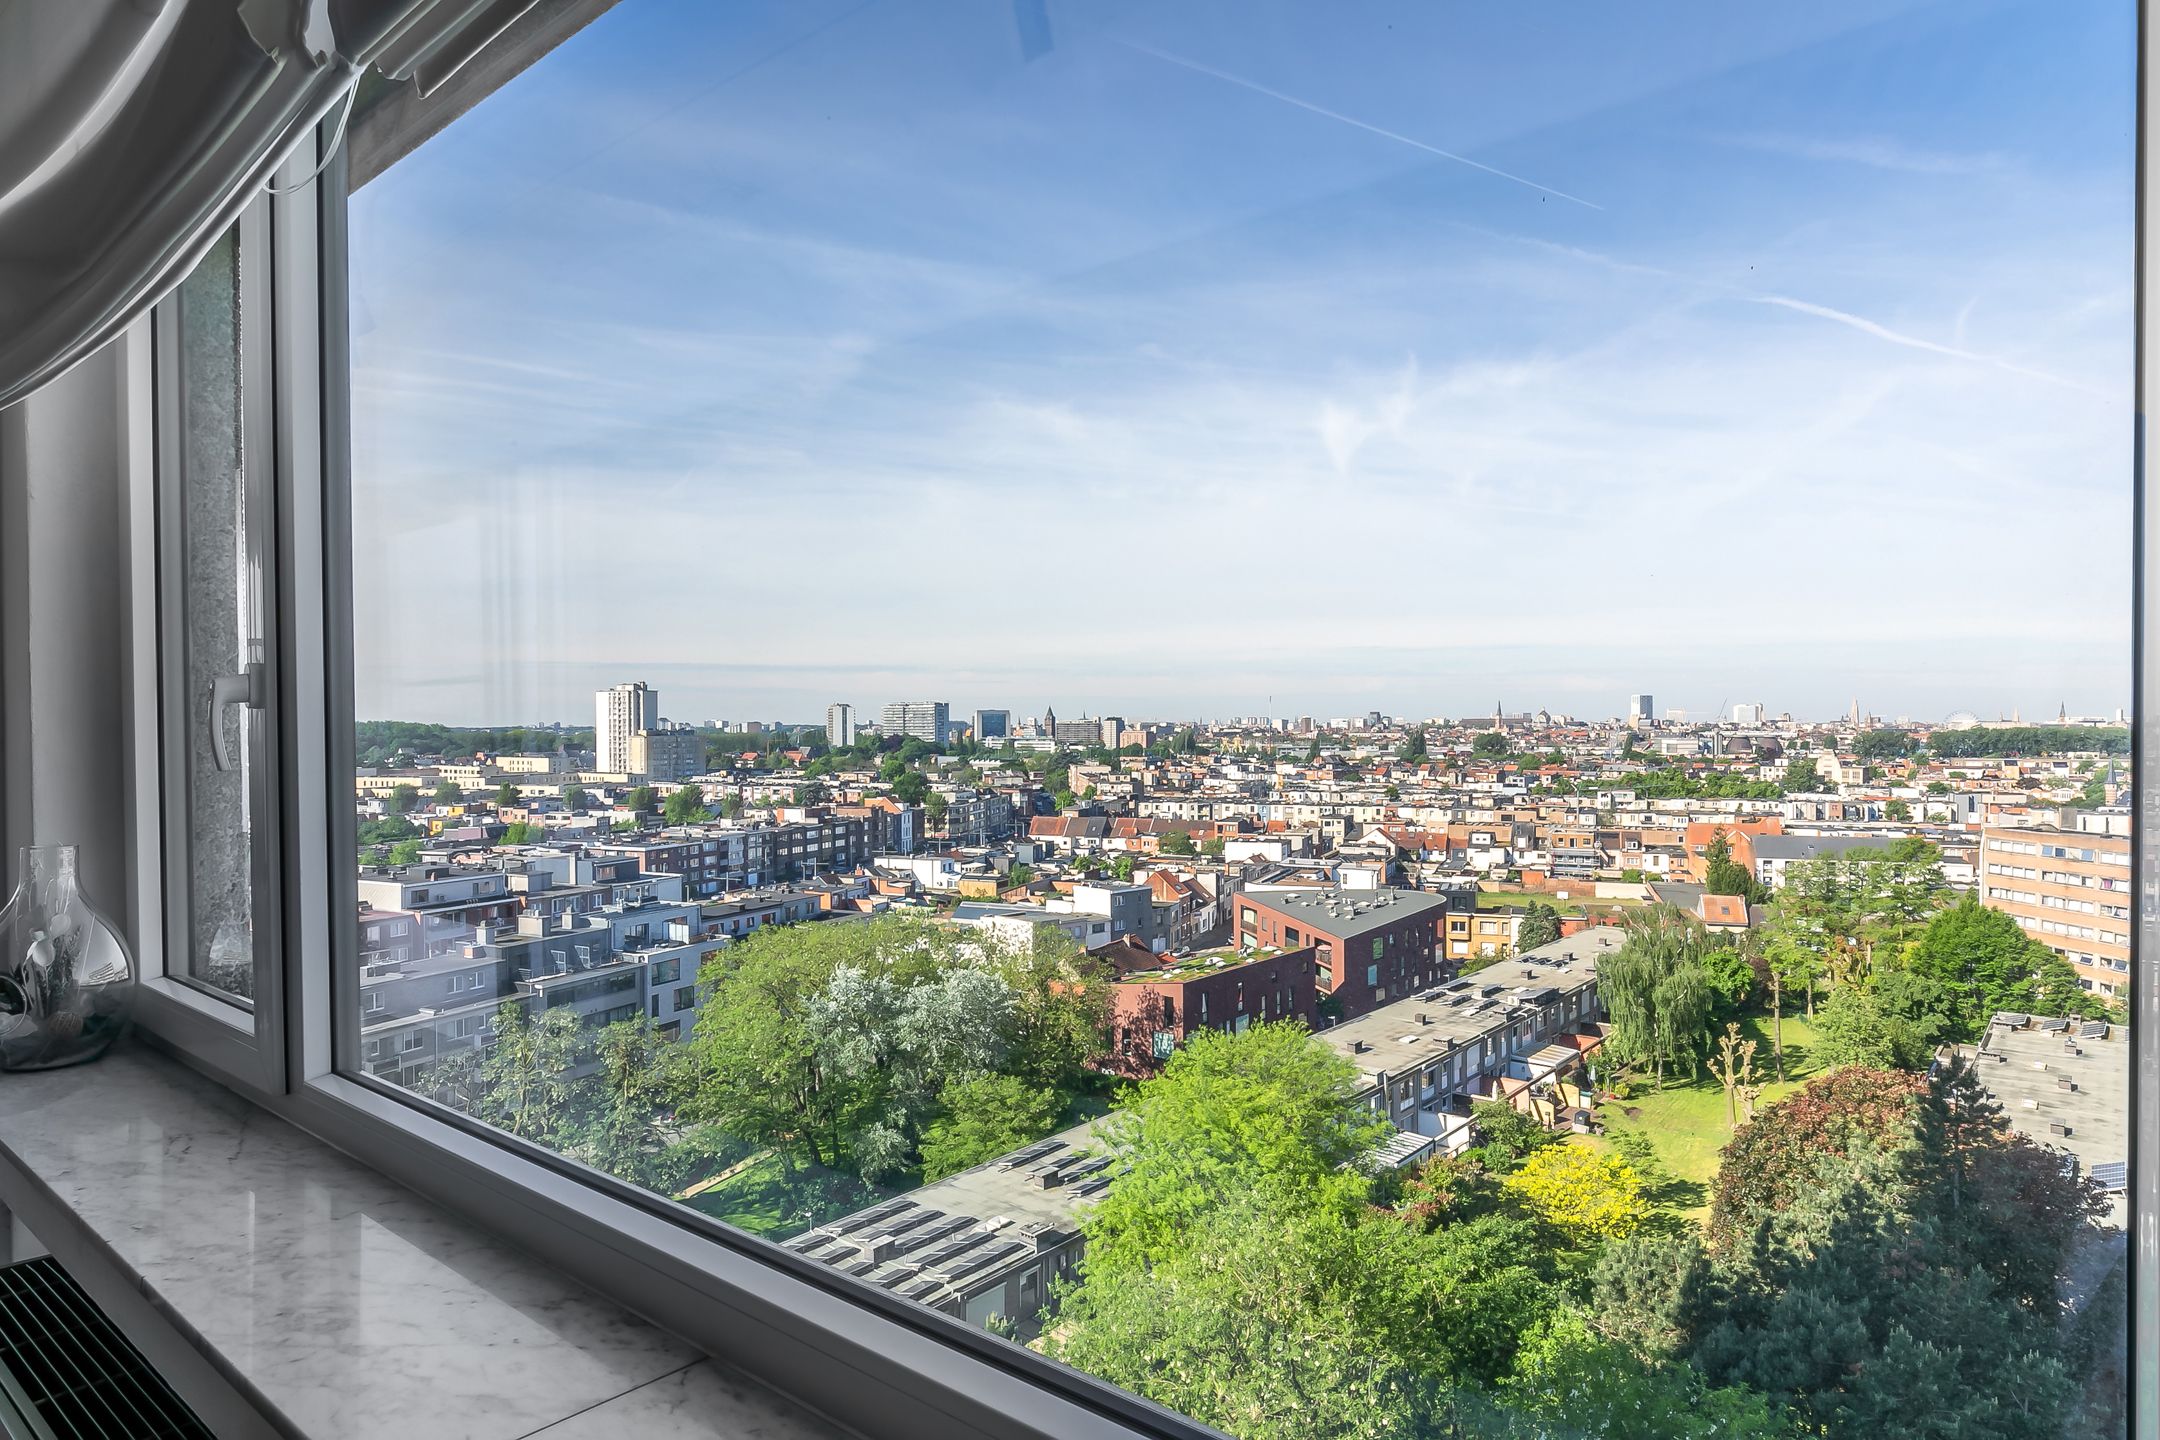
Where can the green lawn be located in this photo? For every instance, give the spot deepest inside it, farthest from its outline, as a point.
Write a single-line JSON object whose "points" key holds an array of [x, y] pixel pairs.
{"points": [[1674, 1135], [764, 1200]]}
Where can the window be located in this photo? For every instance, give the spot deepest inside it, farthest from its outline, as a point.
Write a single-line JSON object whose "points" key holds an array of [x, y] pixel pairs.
{"points": [[732, 356]]}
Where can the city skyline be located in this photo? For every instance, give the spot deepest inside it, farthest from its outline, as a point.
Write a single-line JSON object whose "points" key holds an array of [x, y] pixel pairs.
{"points": [[1432, 360], [1022, 715]]}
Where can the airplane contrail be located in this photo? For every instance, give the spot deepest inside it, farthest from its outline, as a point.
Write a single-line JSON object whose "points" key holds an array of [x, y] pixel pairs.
{"points": [[1239, 80]]}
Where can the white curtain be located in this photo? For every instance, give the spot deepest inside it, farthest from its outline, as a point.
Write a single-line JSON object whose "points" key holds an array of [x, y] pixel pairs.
{"points": [[133, 132]]}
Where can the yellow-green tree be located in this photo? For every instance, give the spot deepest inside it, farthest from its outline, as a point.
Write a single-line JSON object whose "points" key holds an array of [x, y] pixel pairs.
{"points": [[1584, 1193]]}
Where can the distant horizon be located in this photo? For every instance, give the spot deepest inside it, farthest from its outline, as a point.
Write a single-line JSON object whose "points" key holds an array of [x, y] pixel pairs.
{"points": [[867, 718]]}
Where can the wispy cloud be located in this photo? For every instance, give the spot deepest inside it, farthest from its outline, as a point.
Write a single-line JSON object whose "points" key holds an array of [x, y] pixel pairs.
{"points": [[1257, 88], [1345, 429], [1874, 153]]}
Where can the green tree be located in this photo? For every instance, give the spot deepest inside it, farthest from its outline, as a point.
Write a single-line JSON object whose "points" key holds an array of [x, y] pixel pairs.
{"points": [[1507, 1136], [641, 799], [574, 797], [506, 793], [448, 792], [1801, 776], [1176, 842], [832, 1044], [1658, 993], [1540, 925], [910, 789], [405, 852], [1723, 875], [1730, 973], [984, 1116], [1853, 1030], [1413, 750], [685, 805], [1212, 848], [401, 799], [731, 805], [1985, 964], [1489, 745], [1587, 1196], [1897, 810], [521, 833], [936, 808], [1884, 744], [1203, 1330], [1265, 1110], [1571, 1380]]}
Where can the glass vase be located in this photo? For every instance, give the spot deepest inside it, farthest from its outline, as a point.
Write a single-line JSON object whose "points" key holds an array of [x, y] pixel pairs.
{"points": [[67, 981]]}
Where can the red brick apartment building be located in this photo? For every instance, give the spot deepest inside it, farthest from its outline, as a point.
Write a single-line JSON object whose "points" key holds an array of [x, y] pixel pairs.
{"points": [[1155, 1009], [1370, 946]]}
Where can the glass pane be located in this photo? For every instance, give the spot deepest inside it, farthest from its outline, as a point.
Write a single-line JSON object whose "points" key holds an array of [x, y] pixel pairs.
{"points": [[219, 596], [1321, 708]]}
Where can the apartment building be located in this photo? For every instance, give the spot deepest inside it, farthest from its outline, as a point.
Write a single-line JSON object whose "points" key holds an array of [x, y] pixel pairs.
{"points": [[1369, 945], [667, 755], [929, 720], [839, 726], [1478, 934], [1156, 1007], [619, 712], [2070, 889]]}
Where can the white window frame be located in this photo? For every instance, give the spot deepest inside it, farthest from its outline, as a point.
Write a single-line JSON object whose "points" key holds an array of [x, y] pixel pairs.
{"points": [[869, 1359]]}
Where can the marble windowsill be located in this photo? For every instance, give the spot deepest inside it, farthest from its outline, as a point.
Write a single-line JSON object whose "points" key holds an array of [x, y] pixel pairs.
{"points": [[337, 1303]]}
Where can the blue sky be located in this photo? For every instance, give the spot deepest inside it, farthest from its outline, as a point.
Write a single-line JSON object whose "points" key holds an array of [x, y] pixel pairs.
{"points": [[1214, 359]]}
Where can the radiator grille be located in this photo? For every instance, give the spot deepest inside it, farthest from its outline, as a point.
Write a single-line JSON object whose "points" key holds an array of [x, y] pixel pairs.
{"points": [[65, 1363]]}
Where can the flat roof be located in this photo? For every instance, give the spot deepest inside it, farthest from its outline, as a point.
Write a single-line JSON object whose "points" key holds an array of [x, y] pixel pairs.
{"points": [[1395, 1040], [1215, 961], [2026, 1082], [1347, 914], [956, 1235]]}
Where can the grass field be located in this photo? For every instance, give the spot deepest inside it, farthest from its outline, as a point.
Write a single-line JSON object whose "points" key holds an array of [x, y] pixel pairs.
{"points": [[1674, 1135], [763, 1199]]}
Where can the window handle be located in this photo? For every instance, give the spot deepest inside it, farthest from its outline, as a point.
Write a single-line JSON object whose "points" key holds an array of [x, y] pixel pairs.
{"points": [[245, 688]]}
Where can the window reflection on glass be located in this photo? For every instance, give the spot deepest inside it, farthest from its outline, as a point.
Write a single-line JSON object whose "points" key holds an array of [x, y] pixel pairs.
{"points": [[215, 497], [928, 581]]}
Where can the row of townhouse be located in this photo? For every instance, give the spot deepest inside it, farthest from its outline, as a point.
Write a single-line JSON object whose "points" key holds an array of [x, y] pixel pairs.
{"points": [[993, 1243]]}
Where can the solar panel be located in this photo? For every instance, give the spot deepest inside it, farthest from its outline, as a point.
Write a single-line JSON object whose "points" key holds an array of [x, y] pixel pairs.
{"points": [[982, 1259], [896, 1278], [921, 1288], [1028, 1155], [933, 1259], [2054, 1027], [931, 1234], [880, 1219], [905, 1223], [1093, 1187], [810, 1240], [2094, 1030], [2113, 1175], [860, 1267]]}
